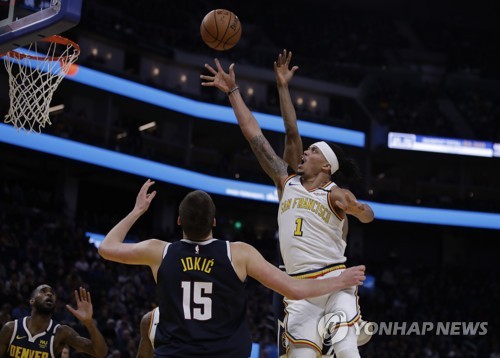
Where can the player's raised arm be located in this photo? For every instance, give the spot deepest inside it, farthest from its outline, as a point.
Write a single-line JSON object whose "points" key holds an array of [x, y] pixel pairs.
{"points": [[95, 346], [147, 252], [293, 141], [272, 164]]}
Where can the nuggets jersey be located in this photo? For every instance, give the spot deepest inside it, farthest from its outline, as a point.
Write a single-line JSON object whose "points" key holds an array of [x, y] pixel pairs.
{"points": [[23, 344], [202, 303], [310, 231]]}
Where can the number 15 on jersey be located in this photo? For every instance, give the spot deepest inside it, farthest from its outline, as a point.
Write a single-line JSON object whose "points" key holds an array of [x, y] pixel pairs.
{"points": [[200, 297]]}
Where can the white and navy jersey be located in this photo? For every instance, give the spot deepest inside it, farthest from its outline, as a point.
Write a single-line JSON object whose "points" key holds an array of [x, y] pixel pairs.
{"points": [[310, 231], [202, 303], [153, 323], [23, 344]]}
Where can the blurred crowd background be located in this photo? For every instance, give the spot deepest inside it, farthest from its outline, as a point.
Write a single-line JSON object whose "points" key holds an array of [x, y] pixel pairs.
{"points": [[427, 68]]}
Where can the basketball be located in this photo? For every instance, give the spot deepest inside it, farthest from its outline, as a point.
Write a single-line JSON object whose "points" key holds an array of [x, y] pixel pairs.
{"points": [[220, 29]]}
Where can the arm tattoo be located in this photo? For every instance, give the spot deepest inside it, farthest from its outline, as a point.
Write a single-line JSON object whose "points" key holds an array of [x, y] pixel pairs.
{"points": [[273, 165]]}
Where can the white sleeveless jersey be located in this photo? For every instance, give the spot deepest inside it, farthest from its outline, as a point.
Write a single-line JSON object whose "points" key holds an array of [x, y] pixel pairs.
{"points": [[310, 231]]}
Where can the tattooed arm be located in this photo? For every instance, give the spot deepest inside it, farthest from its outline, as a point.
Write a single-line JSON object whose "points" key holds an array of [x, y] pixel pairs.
{"points": [[272, 164]]}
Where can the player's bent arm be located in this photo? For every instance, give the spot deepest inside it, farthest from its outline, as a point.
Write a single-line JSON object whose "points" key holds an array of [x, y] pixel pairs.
{"points": [[346, 201], [148, 252], [95, 346], [5, 336], [260, 269], [145, 348]]}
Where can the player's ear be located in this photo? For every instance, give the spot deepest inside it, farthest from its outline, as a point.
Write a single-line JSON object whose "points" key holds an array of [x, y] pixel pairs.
{"points": [[179, 220], [327, 167], [214, 223]]}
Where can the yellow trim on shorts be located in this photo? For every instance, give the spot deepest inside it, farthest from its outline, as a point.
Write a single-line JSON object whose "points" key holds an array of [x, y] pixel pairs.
{"points": [[320, 272], [296, 341], [304, 342], [356, 318]]}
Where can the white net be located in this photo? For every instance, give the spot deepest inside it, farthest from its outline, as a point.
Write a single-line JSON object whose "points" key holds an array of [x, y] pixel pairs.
{"points": [[33, 79]]}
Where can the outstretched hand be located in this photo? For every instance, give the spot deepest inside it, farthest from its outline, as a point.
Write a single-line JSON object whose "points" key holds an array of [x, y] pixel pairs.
{"points": [[144, 198], [353, 276], [282, 68], [84, 309], [220, 79]]}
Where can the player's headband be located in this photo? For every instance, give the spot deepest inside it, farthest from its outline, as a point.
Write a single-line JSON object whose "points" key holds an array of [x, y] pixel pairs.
{"points": [[329, 154]]}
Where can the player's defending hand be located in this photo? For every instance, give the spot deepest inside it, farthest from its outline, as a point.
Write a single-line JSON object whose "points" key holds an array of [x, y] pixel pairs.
{"points": [[144, 198], [84, 310], [220, 79], [282, 69], [353, 276]]}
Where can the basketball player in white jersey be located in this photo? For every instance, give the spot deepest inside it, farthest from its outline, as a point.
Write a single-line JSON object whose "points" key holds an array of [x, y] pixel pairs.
{"points": [[311, 217], [292, 155]]}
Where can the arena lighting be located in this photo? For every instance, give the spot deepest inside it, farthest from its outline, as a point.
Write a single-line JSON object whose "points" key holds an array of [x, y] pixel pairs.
{"points": [[59, 107], [158, 171], [147, 126], [423, 143], [204, 110], [208, 111]]}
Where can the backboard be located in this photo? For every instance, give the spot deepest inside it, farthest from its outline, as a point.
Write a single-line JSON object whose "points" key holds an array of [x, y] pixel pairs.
{"points": [[25, 21]]}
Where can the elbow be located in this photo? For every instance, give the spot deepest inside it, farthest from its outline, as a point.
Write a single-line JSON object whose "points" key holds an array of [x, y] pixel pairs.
{"points": [[103, 251], [369, 219]]}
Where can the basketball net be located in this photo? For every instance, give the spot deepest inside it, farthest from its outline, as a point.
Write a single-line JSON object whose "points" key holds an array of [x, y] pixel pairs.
{"points": [[34, 74]]}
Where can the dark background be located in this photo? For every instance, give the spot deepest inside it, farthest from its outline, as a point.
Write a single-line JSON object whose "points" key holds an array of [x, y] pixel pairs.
{"points": [[419, 67]]}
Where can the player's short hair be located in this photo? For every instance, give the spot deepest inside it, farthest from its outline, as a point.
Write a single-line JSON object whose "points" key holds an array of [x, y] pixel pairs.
{"points": [[37, 289], [197, 213]]}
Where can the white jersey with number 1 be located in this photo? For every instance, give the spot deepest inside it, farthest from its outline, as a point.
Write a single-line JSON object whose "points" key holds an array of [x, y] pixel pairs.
{"points": [[310, 231]]}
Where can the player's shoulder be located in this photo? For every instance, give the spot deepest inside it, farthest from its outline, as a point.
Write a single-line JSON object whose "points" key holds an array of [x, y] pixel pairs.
{"points": [[157, 243], [241, 249], [240, 245], [63, 329], [8, 326]]}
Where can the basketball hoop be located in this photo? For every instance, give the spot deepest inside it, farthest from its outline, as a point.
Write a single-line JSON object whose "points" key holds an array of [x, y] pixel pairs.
{"points": [[34, 75]]}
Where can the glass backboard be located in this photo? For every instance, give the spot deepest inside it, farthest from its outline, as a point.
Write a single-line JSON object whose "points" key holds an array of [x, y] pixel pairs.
{"points": [[25, 21]]}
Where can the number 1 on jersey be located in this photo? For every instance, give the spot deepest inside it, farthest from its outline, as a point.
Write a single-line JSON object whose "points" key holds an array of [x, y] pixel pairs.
{"points": [[298, 227], [199, 288]]}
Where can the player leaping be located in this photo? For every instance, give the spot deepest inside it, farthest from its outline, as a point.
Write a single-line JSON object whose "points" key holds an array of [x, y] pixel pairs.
{"points": [[311, 217]]}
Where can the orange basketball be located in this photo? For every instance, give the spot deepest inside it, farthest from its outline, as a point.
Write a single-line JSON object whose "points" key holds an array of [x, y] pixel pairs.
{"points": [[220, 29]]}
